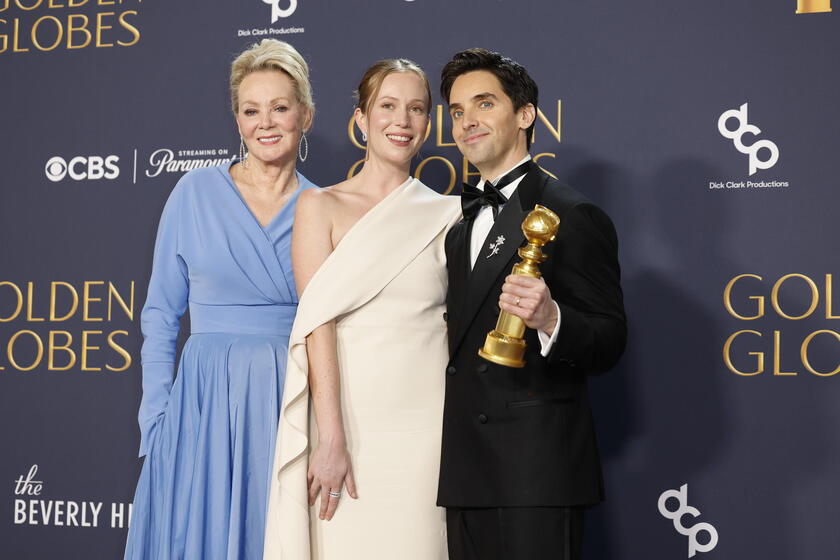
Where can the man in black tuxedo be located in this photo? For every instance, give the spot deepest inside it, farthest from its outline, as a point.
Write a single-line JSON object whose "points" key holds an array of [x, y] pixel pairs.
{"points": [[519, 458]]}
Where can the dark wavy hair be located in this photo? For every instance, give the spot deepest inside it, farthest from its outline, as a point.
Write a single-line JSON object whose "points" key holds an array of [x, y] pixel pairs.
{"points": [[515, 81]]}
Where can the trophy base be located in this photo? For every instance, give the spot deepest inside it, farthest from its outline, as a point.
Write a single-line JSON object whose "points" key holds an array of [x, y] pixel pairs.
{"points": [[503, 350]]}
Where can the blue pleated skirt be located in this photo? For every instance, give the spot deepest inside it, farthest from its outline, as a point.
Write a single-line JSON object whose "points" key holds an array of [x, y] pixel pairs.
{"points": [[203, 489]]}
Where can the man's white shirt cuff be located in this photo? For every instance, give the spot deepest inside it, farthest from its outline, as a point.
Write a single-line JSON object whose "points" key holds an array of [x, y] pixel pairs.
{"points": [[546, 342]]}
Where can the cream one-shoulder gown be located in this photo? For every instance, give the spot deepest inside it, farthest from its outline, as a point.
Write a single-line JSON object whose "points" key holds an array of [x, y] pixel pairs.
{"points": [[385, 287]]}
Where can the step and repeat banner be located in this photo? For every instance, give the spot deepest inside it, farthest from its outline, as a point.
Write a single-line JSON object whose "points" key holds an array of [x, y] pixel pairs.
{"points": [[707, 130]]}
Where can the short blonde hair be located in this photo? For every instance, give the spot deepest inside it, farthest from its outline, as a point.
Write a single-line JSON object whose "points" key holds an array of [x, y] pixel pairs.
{"points": [[267, 55]]}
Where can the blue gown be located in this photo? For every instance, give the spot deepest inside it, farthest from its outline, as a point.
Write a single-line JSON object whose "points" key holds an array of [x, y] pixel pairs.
{"points": [[209, 437]]}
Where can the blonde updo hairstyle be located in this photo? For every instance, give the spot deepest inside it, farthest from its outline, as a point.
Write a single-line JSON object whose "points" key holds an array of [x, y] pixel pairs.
{"points": [[272, 55], [374, 76]]}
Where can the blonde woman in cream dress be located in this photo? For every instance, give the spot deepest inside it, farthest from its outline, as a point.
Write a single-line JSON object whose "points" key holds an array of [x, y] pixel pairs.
{"points": [[355, 475]]}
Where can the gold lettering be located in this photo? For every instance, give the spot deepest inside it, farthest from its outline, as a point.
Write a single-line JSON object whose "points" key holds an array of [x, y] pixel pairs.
{"points": [[53, 346], [774, 296], [452, 173], [76, 3], [467, 173], [72, 30], [114, 294], [87, 299], [19, 306], [727, 299], [54, 299], [829, 296], [439, 134], [16, 36], [10, 352], [101, 26], [134, 31], [555, 132], [120, 350], [30, 287], [777, 342], [106, 2], [813, 6], [85, 348], [4, 38], [804, 353], [4, 5], [351, 133], [54, 4], [354, 168], [727, 355], [59, 33], [24, 7], [537, 157]]}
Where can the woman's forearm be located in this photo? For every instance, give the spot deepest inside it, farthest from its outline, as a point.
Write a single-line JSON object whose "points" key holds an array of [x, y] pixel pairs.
{"points": [[325, 385]]}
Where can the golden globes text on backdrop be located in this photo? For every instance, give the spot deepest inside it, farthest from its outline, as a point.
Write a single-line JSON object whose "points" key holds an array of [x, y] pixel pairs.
{"points": [[46, 308], [437, 125], [746, 351], [812, 6], [47, 25], [505, 344]]}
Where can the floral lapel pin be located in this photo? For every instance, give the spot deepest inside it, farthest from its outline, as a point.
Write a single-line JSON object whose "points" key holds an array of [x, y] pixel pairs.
{"points": [[495, 246]]}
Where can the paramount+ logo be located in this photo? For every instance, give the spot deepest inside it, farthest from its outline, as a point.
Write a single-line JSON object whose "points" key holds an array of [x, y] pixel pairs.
{"points": [[82, 168]]}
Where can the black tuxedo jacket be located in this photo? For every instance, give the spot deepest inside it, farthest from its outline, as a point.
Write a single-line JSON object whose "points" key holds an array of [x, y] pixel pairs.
{"points": [[525, 437]]}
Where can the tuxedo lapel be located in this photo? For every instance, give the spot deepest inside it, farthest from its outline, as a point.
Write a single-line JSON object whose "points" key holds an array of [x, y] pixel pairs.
{"points": [[506, 236], [458, 264]]}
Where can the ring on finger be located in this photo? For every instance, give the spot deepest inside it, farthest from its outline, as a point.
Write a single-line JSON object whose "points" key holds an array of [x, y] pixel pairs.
{"points": [[334, 494], [518, 299]]}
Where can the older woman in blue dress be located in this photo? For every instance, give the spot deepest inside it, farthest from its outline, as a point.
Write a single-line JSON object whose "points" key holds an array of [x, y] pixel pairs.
{"points": [[223, 251]]}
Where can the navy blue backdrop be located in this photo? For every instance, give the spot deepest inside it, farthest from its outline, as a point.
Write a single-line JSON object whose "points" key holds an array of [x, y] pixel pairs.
{"points": [[708, 131]]}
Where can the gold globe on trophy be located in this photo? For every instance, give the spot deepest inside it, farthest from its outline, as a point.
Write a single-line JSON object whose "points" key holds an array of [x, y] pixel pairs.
{"points": [[505, 344]]}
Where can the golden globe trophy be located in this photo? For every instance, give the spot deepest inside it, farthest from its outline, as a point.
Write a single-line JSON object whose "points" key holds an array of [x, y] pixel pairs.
{"points": [[505, 344], [813, 6]]}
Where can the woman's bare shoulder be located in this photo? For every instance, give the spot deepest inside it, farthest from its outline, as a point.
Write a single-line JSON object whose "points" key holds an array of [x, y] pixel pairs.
{"points": [[316, 200]]}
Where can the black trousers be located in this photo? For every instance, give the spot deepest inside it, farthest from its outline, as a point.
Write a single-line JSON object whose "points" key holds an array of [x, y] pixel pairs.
{"points": [[529, 533]]}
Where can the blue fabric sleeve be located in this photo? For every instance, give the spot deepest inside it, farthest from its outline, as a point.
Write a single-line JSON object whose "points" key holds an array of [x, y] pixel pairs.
{"points": [[166, 302]]}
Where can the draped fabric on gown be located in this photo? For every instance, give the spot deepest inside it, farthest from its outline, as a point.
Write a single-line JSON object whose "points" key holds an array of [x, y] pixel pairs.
{"points": [[385, 286], [209, 436]]}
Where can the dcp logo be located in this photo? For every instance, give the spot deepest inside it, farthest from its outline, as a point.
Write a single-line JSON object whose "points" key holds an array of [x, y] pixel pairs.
{"points": [[694, 545], [80, 168], [277, 12], [737, 137]]}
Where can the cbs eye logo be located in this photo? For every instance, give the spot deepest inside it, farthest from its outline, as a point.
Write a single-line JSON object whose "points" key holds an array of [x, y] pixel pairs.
{"points": [[80, 168]]}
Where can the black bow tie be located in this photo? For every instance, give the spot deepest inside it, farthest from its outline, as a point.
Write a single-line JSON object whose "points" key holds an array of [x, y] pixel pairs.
{"points": [[474, 199]]}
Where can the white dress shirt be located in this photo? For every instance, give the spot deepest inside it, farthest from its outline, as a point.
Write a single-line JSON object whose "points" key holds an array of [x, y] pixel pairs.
{"points": [[483, 223]]}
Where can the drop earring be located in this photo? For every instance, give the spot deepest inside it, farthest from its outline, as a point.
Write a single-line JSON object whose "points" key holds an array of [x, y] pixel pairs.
{"points": [[243, 155]]}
